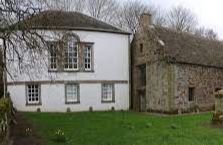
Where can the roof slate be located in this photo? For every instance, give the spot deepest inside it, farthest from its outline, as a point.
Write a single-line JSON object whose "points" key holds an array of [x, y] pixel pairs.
{"points": [[188, 48], [69, 20]]}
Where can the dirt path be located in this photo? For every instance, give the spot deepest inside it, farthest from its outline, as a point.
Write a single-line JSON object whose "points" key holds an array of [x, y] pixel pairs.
{"points": [[23, 132]]}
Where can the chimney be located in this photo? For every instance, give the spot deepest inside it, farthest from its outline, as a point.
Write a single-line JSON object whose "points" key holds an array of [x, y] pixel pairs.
{"points": [[145, 20]]}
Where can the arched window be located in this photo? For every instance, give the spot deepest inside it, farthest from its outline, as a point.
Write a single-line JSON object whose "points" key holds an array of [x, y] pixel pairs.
{"points": [[71, 52]]}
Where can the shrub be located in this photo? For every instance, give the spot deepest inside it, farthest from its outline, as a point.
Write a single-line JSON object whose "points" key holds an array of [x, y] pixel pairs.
{"points": [[28, 131], [59, 136]]}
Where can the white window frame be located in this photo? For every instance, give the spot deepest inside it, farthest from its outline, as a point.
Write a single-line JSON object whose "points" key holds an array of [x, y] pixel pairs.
{"points": [[32, 93], [69, 92], [88, 57], [70, 44], [53, 48], [107, 92]]}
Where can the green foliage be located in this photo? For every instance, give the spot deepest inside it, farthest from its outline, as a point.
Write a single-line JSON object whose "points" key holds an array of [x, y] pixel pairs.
{"points": [[59, 136], [5, 116], [5, 106]]}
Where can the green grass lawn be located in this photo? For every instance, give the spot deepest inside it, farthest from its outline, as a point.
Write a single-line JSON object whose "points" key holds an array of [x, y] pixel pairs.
{"points": [[129, 128]]}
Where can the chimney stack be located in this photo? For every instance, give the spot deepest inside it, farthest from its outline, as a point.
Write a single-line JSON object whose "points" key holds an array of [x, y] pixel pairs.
{"points": [[145, 20]]}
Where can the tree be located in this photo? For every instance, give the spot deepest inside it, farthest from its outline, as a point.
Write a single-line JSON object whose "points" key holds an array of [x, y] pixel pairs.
{"points": [[181, 19], [104, 10], [68, 5], [130, 14], [207, 33], [16, 35]]}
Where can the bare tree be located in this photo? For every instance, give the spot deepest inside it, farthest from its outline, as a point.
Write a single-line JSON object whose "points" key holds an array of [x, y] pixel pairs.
{"points": [[206, 32], [181, 19], [130, 14], [67, 5], [16, 34], [104, 10]]}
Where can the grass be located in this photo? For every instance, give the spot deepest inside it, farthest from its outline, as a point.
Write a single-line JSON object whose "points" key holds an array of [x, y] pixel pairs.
{"points": [[129, 128]]}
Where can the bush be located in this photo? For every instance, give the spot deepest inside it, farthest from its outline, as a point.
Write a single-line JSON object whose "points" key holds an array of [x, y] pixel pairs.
{"points": [[59, 136], [5, 116]]}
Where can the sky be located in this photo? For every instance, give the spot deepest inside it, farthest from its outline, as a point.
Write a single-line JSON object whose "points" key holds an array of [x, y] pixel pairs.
{"points": [[209, 12]]}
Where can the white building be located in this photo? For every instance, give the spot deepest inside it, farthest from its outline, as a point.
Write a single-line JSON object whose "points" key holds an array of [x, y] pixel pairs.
{"points": [[91, 69]]}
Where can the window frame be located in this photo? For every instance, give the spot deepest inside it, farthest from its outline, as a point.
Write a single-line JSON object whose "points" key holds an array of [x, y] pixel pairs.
{"points": [[78, 93], [55, 47], [30, 103], [66, 49], [112, 100], [88, 46]]}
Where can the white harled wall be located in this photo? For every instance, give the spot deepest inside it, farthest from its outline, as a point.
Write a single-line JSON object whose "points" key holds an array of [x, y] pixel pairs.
{"points": [[111, 63]]}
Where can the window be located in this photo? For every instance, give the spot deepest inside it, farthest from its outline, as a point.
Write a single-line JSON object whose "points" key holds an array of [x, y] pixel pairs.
{"points": [[87, 58], [142, 75], [191, 94], [217, 89], [71, 54], [53, 56], [108, 93], [141, 48], [33, 94], [72, 93]]}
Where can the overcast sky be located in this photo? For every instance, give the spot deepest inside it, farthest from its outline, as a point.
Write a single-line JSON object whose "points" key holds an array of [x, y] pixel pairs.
{"points": [[209, 12]]}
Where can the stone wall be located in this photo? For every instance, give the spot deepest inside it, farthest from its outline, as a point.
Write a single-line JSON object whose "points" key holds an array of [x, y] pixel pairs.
{"points": [[204, 80]]}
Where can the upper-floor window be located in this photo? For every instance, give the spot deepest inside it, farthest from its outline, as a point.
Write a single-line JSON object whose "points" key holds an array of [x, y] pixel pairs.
{"points": [[53, 56], [71, 54], [87, 58]]}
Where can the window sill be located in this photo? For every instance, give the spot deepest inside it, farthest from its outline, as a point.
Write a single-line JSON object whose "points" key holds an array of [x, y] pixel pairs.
{"points": [[70, 103], [70, 71], [34, 104], [104, 102]]}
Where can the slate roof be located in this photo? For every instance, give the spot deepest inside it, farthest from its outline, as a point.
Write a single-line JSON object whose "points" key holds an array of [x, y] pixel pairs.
{"points": [[69, 21], [190, 49]]}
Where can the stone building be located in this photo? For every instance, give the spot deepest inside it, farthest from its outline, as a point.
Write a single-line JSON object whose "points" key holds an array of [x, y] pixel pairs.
{"points": [[174, 72]]}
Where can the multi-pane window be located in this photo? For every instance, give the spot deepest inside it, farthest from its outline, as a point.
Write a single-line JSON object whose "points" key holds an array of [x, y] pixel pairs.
{"points": [[71, 54], [87, 58], [72, 93], [33, 94], [108, 93], [53, 56]]}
